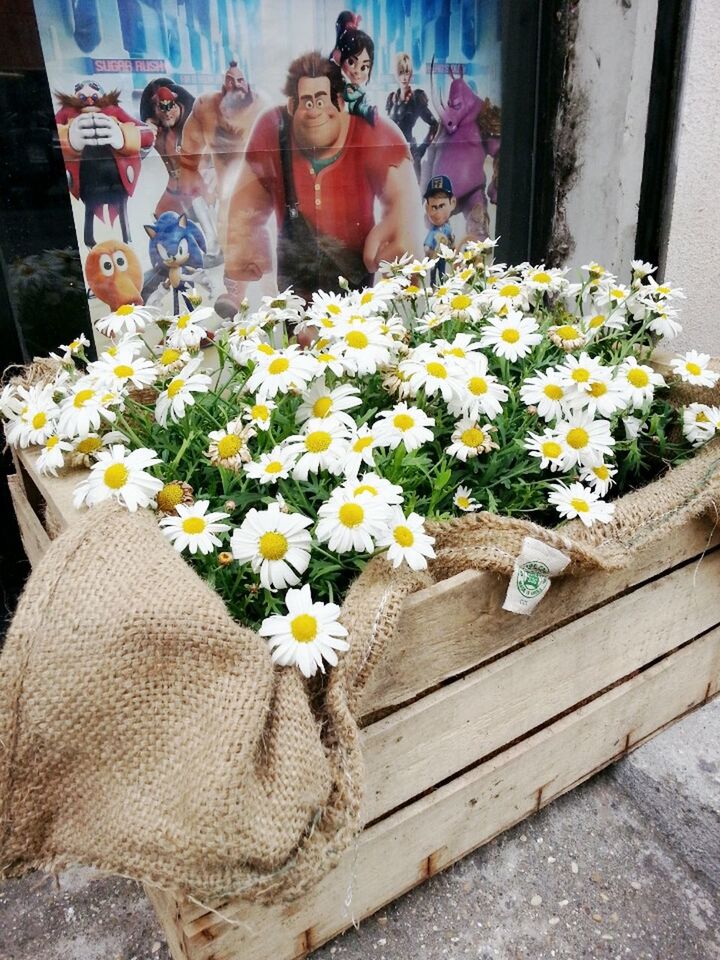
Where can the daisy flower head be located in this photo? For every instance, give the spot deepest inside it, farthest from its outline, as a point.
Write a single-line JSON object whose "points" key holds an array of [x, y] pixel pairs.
{"points": [[325, 306], [244, 339], [321, 446], [321, 401], [633, 427], [173, 494], [307, 635], [275, 544], [603, 395], [186, 330], [512, 336], [229, 447], [85, 449], [193, 528], [51, 457], [365, 348], [464, 306], [547, 392], [82, 411], [395, 382], [170, 361], [567, 336], [76, 348], [375, 486], [465, 501], [545, 279], [403, 424], [282, 371], [122, 368], [577, 373], [35, 420], [599, 477], [470, 439], [596, 272], [479, 393], [406, 540], [427, 370], [641, 269], [700, 422], [120, 474], [692, 367], [593, 323], [351, 523], [259, 413], [372, 300], [178, 394], [611, 293], [360, 448], [576, 500], [548, 448], [664, 322], [430, 320], [129, 318], [271, 467], [461, 347], [418, 268], [639, 382], [285, 306], [506, 296], [585, 441], [11, 403]]}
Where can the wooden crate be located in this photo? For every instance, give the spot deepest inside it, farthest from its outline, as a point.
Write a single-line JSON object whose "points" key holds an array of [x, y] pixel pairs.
{"points": [[485, 717]]}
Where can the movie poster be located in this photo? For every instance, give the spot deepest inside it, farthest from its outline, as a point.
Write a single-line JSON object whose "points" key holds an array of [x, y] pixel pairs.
{"points": [[236, 147]]}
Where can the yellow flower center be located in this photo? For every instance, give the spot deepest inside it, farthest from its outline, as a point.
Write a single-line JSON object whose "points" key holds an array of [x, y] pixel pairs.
{"points": [[125, 310], [366, 297], [259, 412], [638, 377], [597, 321], [601, 472], [322, 407], [664, 289], [333, 308], [436, 370], [169, 497], [169, 356], [509, 290], [552, 391], [404, 536], [365, 488], [511, 335], [455, 352], [39, 420], [472, 437], [542, 277], [82, 397], [702, 417], [73, 346], [51, 442], [175, 387], [362, 443], [356, 339], [122, 370], [229, 446], [598, 388], [463, 502], [116, 476], [272, 545], [325, 357], [566, 332], [266, 349], [461, 301], [273, 467], [551, 449], [477, 386], [403, 421], [411, 290], [693, 368], [351, 514], [317, 441], [580, 375], [183, 321], [193, 525], [617, 293], [89, 445], [580, 506], [278, 365], [466, 274], [303, 628], [578, 438]]}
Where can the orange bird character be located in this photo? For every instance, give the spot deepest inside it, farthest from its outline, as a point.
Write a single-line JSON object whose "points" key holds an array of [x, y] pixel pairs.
{"points": [[114, 273]]}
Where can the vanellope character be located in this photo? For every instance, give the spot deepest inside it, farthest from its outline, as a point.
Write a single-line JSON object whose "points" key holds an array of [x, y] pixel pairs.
{"points": [[440, 203], [357, 56]]}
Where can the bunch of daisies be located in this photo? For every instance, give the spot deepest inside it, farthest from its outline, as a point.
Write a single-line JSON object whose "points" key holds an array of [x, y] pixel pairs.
{"points": [[280, 471]]}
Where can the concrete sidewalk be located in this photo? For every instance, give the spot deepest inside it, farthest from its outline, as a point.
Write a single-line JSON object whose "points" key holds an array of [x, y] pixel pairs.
{"points": [[627, 866]]}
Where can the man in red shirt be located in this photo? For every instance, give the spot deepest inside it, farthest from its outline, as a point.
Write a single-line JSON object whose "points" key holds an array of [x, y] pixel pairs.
{"points": [[321, 170]]}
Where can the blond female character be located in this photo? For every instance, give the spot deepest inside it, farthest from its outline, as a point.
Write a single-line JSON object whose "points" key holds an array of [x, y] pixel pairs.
{"points": [[406, 106]]}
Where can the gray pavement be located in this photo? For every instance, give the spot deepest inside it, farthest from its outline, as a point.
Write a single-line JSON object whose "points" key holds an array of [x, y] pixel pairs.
{"points": [[626, 867]]}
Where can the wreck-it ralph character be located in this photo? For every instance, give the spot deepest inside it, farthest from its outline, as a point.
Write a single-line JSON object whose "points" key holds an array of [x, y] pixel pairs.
{"points": [[321, 170], [102, 146], [114, 273], [440, 205], [357, 55], [405, 106]]}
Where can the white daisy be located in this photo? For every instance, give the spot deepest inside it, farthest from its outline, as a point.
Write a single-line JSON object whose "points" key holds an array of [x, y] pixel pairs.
{"points": [[51, 457], [603, 395], [403, 424], [425, 369], [11, 403], [567, 336], [186, 330], [229, 447], [76, 348], [364, 348], [307, 635], [600, 477], [276, 544], [480, 393], [665, 323], [641, 269], [170, 361], [85, 449], [512, 336], [259, 414], [575, 500], [179, 392], [548, 448], [347, 522], [406, 540], [545, 279], [470, 439], [324, 306], [633, 427], [461, 347], [638, 381], [193, 528], [271, 467], [506, 296], [281, 371], [692, 367], [126, 319], [700, 422], [244, 339], [465, 501], [120, 474], [586, 441], [375, 486], [321, 446], [321, 401], [36, 417], [547, 391], [577, 373], [122, 367], [82, 410], [360, 448]]}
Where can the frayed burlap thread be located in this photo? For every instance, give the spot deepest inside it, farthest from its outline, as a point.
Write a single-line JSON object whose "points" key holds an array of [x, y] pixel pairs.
{"points": [[144, 732]]}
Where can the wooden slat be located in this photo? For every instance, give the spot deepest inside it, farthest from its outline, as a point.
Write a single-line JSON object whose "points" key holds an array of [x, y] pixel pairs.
{"points": [[442, 733], [57, 492], [435, 831], [34, 536]]}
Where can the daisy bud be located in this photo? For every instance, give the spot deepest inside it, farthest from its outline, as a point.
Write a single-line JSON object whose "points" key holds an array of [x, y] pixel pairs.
{"points": [[225, 558], [229, 506], [193, 297]]}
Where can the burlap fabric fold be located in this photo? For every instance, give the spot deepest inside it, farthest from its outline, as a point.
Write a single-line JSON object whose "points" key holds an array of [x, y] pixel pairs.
{"points": [[144, 732]]}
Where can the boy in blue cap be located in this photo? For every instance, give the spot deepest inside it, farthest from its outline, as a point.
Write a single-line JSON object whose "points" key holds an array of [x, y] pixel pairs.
{"points": [[440, 204]]}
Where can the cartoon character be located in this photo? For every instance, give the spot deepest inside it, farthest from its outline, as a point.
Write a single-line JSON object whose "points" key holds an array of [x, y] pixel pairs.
{"points": [[357, 55], [406, 106], [177, 250], [347, 20], [440, 205], [102, 146], [470, 132], [322, 184], [114, 273]]}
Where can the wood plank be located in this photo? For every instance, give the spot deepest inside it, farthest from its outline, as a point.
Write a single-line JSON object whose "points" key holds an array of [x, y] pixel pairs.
{"points": [[428, 741], [435, 831], [57, 492], [34, 536], [456, 625]]}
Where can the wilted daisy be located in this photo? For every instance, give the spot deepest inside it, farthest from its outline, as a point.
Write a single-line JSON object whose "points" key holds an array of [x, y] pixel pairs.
{"points": [[700, 422], [259, 414], [321, 446], [548, 448], [479, 392], [173, 494], [126, 319], [36, 419], [186, 331], [85, 449], [347, 522], [281, 371], [307, 635], [575, 500], [179, 392], [692, 367], [121, 475], [600, 477], [229, 447], [243, 340], [465, 501], [275, 544], [403, 424], [406, 540], [82, 411], [567, 336], [512, 336], [585, 441], [639, 381], [193, 528], [470, 439], [171, 360], [51, 457], [271, 467], [321, 401], [547, 392], [122, 367]]}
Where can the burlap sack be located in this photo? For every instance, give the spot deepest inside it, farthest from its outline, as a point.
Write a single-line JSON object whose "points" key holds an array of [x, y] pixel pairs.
{"points": [[144, 732]]}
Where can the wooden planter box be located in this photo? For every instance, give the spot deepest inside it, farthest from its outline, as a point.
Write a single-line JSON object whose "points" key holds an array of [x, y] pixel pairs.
{"points": [[477, 719]]}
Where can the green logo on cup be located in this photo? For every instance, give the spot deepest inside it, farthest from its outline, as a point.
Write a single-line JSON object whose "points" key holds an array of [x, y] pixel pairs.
{"points": [[532, 578]]}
